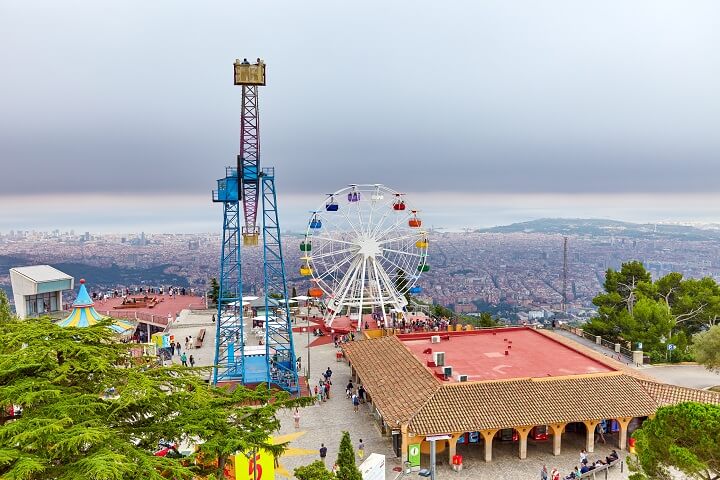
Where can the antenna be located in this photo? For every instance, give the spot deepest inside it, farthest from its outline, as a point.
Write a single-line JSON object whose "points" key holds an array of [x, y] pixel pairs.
{"points": [[564, 285]]}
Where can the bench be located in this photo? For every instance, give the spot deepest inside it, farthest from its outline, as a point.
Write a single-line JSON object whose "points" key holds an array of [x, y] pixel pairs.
{"points": [[200, 338], [595, 470]]}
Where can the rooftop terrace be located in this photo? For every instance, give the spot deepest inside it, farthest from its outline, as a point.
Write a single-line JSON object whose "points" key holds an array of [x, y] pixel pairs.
{"points": [[500, 354]]}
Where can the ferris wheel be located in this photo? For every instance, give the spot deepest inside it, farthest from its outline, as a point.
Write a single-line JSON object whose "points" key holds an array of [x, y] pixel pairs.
{"points": [[364, 249]]}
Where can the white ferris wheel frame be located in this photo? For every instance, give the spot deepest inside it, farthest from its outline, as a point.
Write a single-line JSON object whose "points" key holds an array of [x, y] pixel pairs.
{"points": [[357, 254]]}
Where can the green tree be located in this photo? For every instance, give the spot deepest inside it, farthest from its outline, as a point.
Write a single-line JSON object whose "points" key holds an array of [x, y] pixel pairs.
{"points": [[237, 420], [347, 470], [314, 471], [682, 437], [91, 411], [485, 320], [214, 293], [87, 411], [5, 312], [706, 348]]}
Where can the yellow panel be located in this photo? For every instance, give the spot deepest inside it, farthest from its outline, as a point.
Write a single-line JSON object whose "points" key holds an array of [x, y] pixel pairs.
{"points": [[249, 74], [265, 466]]}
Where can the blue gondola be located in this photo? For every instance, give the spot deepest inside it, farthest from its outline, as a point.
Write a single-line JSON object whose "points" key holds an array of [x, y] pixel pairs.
{"points": [[415, 290], [315, 223], [331, 207]]}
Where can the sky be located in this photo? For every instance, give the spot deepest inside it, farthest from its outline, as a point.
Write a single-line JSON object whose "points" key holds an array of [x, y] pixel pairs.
{"points": [[122, 114]]}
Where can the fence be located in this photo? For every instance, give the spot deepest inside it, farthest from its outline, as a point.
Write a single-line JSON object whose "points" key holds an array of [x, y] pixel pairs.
{"points": [[593, 338], [157, 320]]}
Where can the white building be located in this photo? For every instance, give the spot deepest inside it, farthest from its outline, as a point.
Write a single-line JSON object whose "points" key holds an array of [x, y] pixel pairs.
{"points": [[38, 289]]}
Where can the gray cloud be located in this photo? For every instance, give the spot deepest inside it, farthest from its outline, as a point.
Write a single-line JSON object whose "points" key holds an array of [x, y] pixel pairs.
{"points": [[498, 96]]}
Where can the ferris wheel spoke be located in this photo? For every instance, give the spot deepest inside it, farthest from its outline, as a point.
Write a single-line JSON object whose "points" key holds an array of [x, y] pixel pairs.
{"points": [[412, 254], [350, 222], [335, 240], [401, 218], [332, 253], [417, 235]]}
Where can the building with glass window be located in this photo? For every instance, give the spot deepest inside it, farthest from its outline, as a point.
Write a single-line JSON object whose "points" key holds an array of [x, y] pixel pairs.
{"points": [[37, 290]]}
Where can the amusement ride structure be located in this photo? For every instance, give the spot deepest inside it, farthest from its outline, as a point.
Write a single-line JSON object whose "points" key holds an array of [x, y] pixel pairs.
{"points": [[365, 250], [274, 361]]}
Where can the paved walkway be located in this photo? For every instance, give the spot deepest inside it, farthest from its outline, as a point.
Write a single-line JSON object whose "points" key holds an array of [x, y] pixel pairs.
{"points": [[594, 346]]}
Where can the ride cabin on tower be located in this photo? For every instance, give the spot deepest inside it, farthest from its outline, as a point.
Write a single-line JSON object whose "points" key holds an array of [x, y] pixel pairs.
{"points": [[271, 362]]}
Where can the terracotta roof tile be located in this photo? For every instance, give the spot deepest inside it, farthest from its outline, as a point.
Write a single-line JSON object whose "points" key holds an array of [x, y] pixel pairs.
{"points": [[665, 394], [397, 382], [503, 404]]}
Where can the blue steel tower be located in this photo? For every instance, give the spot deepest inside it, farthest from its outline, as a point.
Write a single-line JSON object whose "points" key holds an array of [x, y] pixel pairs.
{"points": [[246, 182]]}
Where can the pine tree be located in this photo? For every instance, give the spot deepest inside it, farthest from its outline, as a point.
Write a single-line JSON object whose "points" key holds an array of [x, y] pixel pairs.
{"points": [[346, 460]]}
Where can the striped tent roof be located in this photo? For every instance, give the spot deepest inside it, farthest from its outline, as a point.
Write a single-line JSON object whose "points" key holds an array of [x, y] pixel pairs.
{"points": [[85, 315]]}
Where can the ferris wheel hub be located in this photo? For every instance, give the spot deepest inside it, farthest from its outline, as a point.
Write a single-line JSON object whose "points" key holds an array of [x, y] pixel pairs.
{"points": [[369, 247]]}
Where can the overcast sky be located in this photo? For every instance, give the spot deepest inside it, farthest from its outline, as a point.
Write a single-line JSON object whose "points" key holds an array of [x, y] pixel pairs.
{"points": [[501, 97]]}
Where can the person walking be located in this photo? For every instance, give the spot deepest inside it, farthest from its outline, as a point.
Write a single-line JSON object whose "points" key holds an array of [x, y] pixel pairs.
{"points": [[172, 349], [554, 475], [323, 452], [177, 347], [192, 361], [361, 449], [544, 473], [355, 402], [183, 359], [296, 418], [583, 457], [600, 431]]}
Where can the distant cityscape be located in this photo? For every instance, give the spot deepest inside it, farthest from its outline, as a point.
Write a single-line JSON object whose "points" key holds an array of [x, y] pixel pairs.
{"points": [[513, 271]]}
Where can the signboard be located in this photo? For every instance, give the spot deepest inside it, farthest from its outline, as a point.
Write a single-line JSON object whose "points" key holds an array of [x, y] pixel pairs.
{"points": [[414, 455], [474, 437], [435, 438], [263, 464], [461, 439], [373, 468], [671, 347]]}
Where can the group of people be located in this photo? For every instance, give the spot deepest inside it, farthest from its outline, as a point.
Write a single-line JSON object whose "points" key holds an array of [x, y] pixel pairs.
{"points": [[356, 396], [322, 389], [578, 471], [340, 339], [127, 291]]}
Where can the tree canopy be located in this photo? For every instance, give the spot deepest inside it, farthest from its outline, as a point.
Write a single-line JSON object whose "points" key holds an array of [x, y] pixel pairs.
{"points": [[90, 410], [670, 310], [706, 347], [314, 471], [683, 437]]}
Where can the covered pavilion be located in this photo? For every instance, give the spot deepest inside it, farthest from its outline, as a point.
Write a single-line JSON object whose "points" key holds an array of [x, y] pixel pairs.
{"points": [[503, 380], [84, 314]]}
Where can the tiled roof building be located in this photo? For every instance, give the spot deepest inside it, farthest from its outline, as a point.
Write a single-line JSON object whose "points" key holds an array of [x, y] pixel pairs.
{"points": [[411, 399]]}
